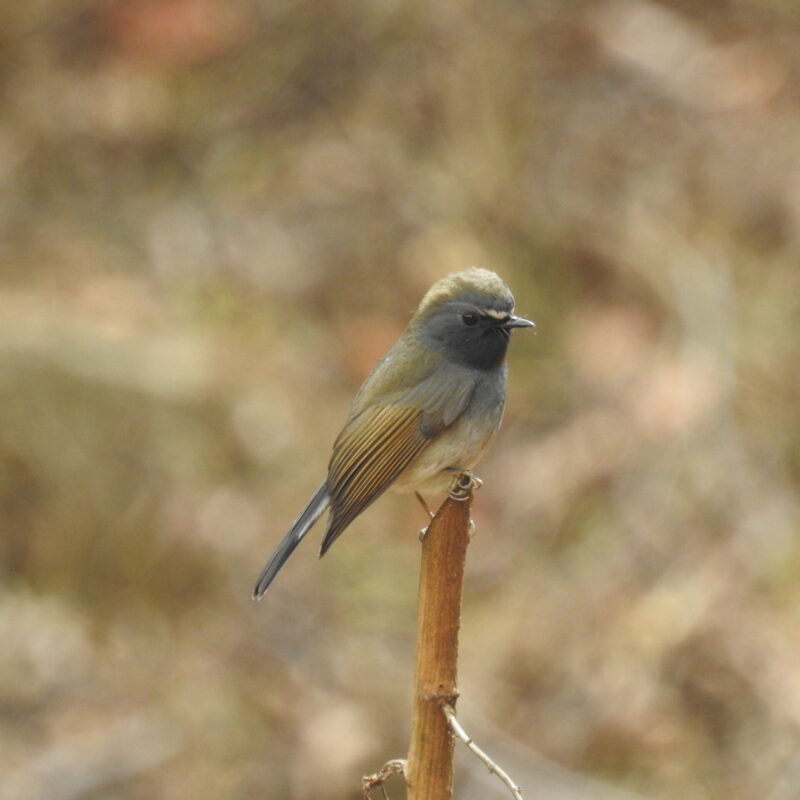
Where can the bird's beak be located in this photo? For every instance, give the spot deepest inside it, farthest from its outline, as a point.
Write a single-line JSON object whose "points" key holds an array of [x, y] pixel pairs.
{"points": [[518, 322]]}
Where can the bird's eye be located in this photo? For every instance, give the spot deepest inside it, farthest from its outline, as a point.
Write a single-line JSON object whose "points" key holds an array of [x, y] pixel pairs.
{"points": [[470, 318]]}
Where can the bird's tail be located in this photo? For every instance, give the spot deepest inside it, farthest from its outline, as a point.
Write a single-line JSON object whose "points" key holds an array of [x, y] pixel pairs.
{"points": [[300, 527]]}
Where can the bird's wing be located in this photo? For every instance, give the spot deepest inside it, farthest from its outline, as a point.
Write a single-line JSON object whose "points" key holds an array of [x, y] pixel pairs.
{"points": [[383, 439]]}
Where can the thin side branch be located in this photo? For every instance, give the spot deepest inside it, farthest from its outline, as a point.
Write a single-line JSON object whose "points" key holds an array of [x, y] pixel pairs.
{"points": [[396, 766], [459, 731]]}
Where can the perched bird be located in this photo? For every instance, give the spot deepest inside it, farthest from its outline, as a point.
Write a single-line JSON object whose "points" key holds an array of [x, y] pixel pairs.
{"points": [[428, 410]]}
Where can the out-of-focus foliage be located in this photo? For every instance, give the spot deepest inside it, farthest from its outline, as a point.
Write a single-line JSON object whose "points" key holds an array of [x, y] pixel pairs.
{"points": [[216, 214]]}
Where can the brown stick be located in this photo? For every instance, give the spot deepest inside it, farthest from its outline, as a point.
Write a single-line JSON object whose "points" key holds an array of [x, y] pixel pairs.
{"points": [[429, 771]]}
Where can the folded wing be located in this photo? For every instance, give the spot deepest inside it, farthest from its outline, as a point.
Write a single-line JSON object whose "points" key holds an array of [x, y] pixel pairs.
{"points": [[383, 439]]}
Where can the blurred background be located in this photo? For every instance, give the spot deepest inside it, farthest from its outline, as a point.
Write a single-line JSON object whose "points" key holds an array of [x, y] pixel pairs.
{"points": [[214, 218]]}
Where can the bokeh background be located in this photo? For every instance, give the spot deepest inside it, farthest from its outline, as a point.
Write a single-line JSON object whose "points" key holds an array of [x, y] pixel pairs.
{"points": [[216, 215]]}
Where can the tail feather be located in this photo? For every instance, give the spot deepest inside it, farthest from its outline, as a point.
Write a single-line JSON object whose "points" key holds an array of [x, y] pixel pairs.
{"points": [[300, 527]]}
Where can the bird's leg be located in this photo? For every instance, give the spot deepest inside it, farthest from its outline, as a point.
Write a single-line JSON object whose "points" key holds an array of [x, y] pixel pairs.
{"points": [[430, 513], [464, 482], [424, 505]]}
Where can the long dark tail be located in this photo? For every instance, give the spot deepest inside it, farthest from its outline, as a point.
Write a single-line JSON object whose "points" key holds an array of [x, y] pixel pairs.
{"points": [[300, 527]]}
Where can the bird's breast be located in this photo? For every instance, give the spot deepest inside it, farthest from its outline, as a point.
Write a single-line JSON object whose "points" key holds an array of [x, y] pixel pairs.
{"points": [[461, 445]]}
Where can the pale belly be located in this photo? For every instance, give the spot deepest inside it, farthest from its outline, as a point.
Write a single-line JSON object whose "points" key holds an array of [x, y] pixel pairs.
{"points": [[458, 447]]}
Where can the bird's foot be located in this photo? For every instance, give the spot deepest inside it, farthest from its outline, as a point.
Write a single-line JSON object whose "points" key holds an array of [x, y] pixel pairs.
{"points": [[464, 483]]}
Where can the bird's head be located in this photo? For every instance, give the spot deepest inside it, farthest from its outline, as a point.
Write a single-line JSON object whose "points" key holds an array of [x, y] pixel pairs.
{"points": [[468, 317]]}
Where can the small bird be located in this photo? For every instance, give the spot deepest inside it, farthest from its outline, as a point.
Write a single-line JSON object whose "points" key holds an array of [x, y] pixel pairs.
{"points": [[425, 413]]}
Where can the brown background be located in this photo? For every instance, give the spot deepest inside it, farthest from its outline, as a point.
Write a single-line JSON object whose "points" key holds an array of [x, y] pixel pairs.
{"points": [[215, 216]]}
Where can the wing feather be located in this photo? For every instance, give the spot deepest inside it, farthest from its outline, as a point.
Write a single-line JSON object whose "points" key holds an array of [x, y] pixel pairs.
{"points": [[378, 443], [363, 442]]}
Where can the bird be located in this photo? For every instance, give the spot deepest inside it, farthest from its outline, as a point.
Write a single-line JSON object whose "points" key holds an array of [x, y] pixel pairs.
{"points": [[426, 412]]}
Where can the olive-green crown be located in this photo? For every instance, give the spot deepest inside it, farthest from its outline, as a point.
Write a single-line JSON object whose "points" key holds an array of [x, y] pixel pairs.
{"points": [[481, 287]]}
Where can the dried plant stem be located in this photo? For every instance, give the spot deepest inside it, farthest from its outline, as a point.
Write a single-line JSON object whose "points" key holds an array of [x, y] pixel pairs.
{"points": [[369, 783], [429, 770], [459, 731]]}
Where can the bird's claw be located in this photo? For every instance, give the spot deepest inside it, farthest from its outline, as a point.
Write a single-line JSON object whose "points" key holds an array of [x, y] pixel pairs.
{"points": [[464, 483]]}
